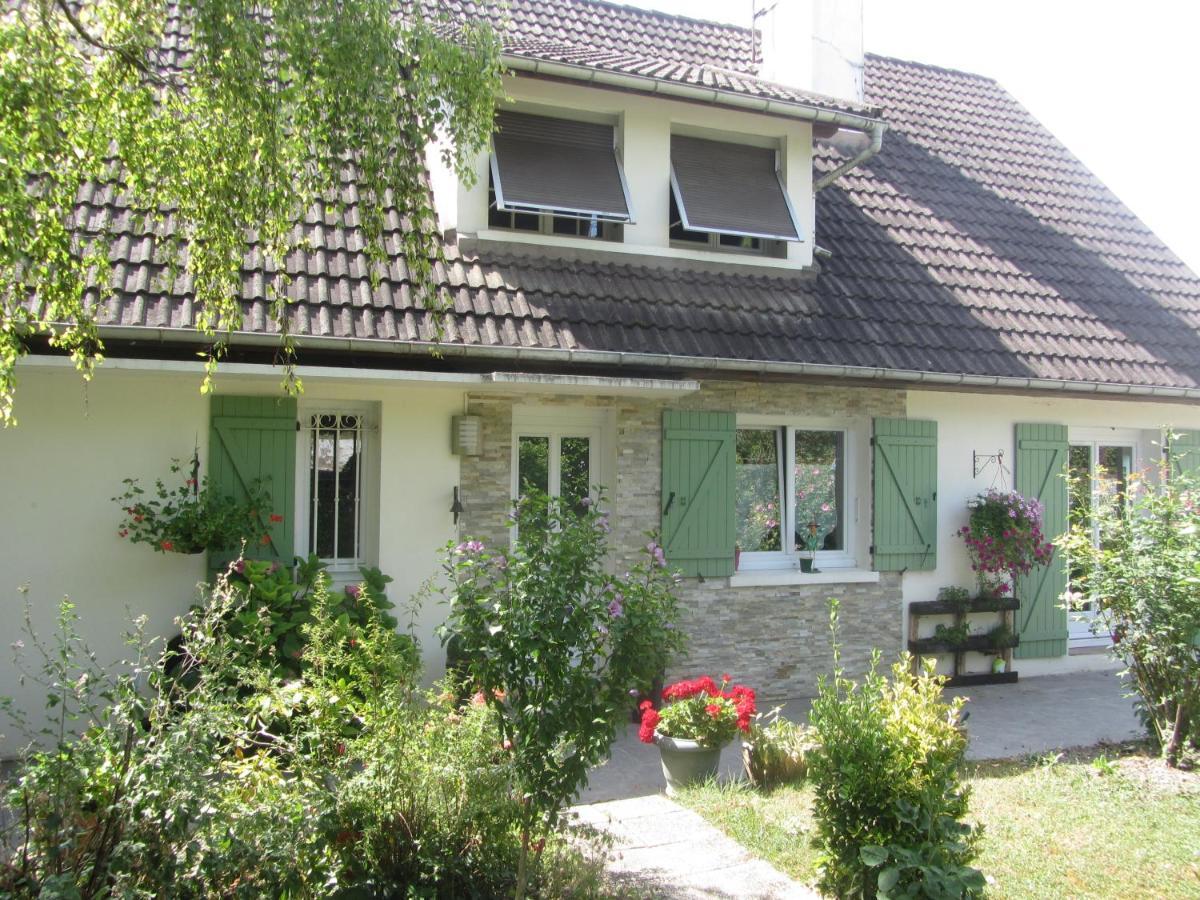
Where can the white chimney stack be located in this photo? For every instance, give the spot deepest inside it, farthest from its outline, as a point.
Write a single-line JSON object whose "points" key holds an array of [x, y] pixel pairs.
{"points": [[814, 45]]}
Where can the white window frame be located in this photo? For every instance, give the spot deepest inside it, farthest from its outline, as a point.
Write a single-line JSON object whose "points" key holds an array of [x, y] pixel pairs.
{"points": [[789, 557], [341, 569], [1079, 622], [559, 423]]}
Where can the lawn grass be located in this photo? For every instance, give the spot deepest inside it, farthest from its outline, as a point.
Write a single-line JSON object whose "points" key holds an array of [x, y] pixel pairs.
{"points": [[1111, 824]]}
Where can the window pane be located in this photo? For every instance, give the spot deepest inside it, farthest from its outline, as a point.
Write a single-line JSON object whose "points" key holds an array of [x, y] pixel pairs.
{"points": [[324, 492], [1115, 465], [818, 473], [757, 484], [347, 489], [575, 477], [533, 464]]}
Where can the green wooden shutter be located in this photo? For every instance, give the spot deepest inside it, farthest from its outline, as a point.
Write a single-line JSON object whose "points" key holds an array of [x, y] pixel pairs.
{"points": [[1184, 447], [697, 491], [252, 438], [904, 508], [1041, 470]]}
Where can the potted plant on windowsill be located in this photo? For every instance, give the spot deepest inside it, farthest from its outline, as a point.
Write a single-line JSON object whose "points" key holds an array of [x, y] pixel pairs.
{"points": [[698, 719], [194, 517]]}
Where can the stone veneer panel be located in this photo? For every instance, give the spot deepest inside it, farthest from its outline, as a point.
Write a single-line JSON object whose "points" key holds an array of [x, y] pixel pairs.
{"points": [[774, 638]]}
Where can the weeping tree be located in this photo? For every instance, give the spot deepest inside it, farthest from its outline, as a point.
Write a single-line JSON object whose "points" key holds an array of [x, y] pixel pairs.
{"points": [[220, 122]]}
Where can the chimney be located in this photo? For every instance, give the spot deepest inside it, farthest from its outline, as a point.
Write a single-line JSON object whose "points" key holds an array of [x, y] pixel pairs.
{"points": [[814, 45]]}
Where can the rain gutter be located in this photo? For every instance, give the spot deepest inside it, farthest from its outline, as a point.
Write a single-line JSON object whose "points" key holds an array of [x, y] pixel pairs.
{"points": [[873, 127], [686, 364]]}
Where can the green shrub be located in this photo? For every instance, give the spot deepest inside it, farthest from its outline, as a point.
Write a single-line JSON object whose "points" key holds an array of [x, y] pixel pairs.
{"points": [[231, 781], [1143, 571], [557, 644], [958, 598], [887, 774]]}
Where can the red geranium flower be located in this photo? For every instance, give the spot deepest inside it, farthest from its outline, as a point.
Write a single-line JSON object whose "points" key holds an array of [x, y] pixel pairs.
{"points": [[167, 545], [275, 517]]}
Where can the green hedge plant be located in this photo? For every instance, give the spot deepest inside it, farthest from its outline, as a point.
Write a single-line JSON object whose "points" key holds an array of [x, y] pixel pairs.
{"points": [[886, 771]]}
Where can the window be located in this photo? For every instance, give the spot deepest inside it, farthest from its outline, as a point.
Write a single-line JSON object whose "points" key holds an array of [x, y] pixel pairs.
{"points": [[563, 452], [791, 495], [732, 191], [535, 223], [337, 476], [682, 237], [1098, 469], [561, 169]]}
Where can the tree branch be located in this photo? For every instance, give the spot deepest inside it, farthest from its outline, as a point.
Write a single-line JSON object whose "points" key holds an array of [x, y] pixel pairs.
{"points": [[130, 59]]}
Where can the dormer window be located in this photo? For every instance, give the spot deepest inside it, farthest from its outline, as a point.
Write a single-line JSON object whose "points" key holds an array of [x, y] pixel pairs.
{"points": [[728, 196], [556, 176]]}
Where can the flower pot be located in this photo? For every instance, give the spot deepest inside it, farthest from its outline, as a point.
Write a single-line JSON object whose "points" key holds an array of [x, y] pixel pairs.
{"points": [[686, 762], [806, 564]]}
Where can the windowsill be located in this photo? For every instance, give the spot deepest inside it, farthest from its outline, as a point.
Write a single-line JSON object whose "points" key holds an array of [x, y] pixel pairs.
{"points": [[774, 577], [496, 237]]}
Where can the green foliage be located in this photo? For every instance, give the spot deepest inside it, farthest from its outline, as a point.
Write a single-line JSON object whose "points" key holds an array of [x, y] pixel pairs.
{"points": [[1137, 556], [193, 516], [958, 598], [277, 103], [270, 624], [887, 775], [776, 750], [557, 644], [954, 635], [148, 788]]}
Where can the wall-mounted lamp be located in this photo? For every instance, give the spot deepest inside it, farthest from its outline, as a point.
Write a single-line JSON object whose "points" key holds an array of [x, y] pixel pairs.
{"points": [[456, 507]]}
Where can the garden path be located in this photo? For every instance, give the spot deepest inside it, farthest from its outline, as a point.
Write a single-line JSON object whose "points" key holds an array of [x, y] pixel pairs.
{"points": [[667, 851]]}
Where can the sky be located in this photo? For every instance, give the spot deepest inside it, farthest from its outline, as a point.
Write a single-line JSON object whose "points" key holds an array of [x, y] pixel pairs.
{"points": [[1115, 82]]}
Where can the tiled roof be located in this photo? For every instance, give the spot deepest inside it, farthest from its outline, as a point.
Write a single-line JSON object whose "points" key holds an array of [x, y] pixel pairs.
{"points": [[630, 41], [620, 28], [973, 244]]}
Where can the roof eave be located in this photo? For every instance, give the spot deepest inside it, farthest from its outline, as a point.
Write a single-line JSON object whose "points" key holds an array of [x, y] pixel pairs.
{"points": [[689, 364], [696, 93]]}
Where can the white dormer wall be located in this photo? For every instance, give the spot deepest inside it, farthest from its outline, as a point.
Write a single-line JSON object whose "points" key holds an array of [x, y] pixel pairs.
{"points": [[644, 128], [814, 45]]}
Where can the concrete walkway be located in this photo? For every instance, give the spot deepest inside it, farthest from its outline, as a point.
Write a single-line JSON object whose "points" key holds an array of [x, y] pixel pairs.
{"points": [[663, 850]]}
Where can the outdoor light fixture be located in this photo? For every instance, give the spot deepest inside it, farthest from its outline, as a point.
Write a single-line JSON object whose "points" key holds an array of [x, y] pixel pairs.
{"points": [[456, 507]]}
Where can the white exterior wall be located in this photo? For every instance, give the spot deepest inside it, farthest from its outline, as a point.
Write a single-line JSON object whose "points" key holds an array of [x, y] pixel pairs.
{"points": [[985, 423], [60, 467], [644, 130]]}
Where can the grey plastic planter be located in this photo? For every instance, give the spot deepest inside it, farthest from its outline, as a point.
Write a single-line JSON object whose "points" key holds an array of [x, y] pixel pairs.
{"points": [[685, 762]]}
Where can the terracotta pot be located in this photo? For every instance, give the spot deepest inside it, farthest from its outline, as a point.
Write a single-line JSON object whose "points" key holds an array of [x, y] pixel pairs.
{"points": [[686, 762]]}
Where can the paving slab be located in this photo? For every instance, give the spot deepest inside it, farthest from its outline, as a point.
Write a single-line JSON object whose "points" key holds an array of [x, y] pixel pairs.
{"points": [[671, 852]]}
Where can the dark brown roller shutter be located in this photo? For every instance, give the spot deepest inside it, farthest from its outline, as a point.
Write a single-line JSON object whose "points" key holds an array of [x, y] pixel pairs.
{"points": [[558, 166], [730, 189]]}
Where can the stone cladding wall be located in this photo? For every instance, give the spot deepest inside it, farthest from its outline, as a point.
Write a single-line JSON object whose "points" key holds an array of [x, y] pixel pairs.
{"points": [[774, 638]]}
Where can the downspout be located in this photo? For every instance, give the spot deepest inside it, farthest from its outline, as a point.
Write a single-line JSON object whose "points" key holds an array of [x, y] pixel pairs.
{"points": [[876, 131]]}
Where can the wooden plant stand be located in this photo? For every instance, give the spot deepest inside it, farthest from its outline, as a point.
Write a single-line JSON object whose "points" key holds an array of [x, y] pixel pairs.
{"points": [[931, 646]]}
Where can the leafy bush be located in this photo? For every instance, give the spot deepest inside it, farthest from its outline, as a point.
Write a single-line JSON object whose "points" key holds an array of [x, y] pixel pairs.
{"points": [[1143, 572], [184, 787], [776, 751], [889, 797], [698, 710], [557, 644], [958, 598]]}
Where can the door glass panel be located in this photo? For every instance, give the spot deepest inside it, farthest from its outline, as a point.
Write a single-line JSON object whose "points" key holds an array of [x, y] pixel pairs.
{"points": [[324, 488], [1079, 496], [759, 516], [1115, 465], [818, 485], [574, 471], [533, 464], [348, 453]]}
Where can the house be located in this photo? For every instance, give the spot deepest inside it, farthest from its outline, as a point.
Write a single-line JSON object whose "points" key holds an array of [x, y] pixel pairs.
{"points": [[699, 268]]}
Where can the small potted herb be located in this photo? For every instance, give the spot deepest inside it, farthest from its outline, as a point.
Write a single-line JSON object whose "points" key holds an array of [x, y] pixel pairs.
{"points": [[956, 598], [194, 517], [698, 719]]}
